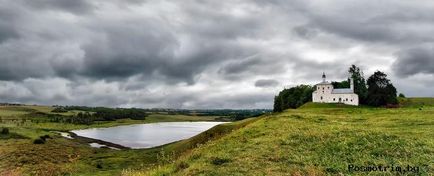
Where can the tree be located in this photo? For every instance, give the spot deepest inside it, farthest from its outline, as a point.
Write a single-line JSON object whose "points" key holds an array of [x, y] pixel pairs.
{"points": [[343, 84], [359, 83], [380, 90], [293, 97], [401, 95], [277, 104], [5, 130]]}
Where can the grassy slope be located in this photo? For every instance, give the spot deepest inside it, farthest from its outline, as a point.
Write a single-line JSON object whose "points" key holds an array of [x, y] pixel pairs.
{"points": [[416, 102], [317, 141], [113, 162], [59, 155]]}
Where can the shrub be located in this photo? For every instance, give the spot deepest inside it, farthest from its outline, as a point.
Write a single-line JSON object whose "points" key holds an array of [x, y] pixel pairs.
{"points": [[59, 110], [401, 95], [5, 131], [219, 161], [44, 137], [99, 164], [39, 141], [181, 166]]}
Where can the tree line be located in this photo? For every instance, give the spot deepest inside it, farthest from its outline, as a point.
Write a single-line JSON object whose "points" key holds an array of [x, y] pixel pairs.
{"points": [[377, 91], [92, 114], [88, 115]]}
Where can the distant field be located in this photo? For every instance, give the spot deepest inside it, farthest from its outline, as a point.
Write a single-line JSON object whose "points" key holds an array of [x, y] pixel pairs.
{"points": [[8, 111]]}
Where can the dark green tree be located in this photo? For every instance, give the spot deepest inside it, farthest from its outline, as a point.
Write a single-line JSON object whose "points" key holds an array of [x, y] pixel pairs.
{"points": [[277, 104], [359, 83], [293, 97], [380, 90], [343, 84]]}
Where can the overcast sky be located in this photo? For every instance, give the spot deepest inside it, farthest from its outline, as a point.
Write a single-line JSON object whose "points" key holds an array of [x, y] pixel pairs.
{"points": [[205, 53]]}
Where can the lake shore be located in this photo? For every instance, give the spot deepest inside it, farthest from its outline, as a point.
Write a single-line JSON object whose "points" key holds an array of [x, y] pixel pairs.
{"points": [[92, 140]]}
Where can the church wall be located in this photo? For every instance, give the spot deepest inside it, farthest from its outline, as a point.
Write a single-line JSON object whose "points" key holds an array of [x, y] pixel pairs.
{"points": [[351, 99]]}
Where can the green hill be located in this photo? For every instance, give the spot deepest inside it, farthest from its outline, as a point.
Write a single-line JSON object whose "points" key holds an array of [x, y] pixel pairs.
{"points": [[316, 141], [416, 102]]}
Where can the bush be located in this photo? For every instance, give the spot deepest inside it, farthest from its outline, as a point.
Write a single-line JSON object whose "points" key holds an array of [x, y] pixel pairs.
{"points": [[39, 141], [5, 131], [44, 137], [182, 165], [401, 95], [219, 161], [59, 110]]}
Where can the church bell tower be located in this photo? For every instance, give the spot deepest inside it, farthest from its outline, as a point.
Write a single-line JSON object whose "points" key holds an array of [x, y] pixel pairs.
{"points": [[323, 77]]}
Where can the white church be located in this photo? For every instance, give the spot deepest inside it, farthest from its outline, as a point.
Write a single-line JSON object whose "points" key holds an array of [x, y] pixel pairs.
{"points": [[325, 93]]}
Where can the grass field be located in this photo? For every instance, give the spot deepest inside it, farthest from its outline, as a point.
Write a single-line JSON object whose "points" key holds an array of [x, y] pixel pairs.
{"points": [[59, 156], [318, 139]]}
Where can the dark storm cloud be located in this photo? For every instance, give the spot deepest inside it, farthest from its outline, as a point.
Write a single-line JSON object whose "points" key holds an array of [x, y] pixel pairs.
{"points": [[7, 25], [266, 83], [126, 49], [415, 60], [305, 31], [6, 32], [74, 6], [240, 65], [368, 21], [206, 54]]}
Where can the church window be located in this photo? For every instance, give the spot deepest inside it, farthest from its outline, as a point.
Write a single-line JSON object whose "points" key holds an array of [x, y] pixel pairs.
{"points": [[322, 91], [334, 99], [346, 99], [322, 88], [321, 97]]}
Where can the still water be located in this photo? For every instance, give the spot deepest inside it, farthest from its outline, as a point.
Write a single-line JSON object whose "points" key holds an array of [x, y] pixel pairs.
{"points": [[147, 135]]}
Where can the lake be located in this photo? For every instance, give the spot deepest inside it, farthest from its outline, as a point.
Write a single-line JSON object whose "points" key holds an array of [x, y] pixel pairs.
{"points": [[147, 135]]}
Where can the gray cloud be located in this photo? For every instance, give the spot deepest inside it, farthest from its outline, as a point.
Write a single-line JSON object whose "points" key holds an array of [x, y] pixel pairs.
{"points": [[203, 54], [415, 60], [266, 83], [7, 26], [76, 6], [368, 21]]}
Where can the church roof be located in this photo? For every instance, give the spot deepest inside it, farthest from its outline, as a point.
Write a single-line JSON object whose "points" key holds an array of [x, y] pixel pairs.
{"points": [[342, 91]]}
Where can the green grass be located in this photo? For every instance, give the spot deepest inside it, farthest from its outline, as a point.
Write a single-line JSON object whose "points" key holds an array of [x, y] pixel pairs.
{"points": [[58, 156], [316, 141], [417, 102], [114, 162], [13, 111], [310, 105]]}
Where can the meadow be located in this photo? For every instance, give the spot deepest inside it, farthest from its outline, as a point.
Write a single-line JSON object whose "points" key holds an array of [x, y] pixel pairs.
{"points": [[320, 139], [315, 139]]}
